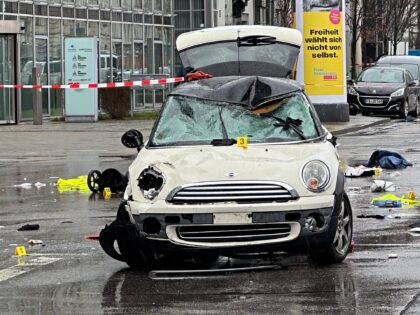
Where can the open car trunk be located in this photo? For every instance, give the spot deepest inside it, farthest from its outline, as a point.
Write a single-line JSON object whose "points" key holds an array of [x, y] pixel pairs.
{"points": [[241, 50]]}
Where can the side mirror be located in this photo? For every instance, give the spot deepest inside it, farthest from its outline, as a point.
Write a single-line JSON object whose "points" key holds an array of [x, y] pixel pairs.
{"points": [[413, 83], [133, 139]]}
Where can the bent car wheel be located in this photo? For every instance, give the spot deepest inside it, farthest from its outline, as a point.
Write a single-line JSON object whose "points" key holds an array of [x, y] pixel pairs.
{"points": [[337, 251], [137, 258]]}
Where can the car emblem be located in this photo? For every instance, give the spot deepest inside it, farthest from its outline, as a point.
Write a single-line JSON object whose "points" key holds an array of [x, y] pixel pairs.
{"points": [[231, 174], [374, 91]]}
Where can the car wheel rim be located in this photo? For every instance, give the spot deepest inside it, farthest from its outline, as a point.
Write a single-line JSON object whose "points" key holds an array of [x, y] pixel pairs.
{"points": [[343, 232]]}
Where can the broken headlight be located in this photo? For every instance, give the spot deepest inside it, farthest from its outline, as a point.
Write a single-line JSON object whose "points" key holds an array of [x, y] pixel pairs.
{"points": [[150, 182], [315, 176]]}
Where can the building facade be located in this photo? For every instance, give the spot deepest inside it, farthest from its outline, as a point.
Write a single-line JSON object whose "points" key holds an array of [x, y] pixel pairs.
{"points": [[135, 37]]}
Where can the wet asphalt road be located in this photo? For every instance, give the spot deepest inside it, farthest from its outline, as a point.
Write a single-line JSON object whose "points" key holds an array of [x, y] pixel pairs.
{"points": [[72, 275]]}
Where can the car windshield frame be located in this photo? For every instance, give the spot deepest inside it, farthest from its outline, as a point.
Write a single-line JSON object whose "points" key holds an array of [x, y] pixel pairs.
{"points": [[382, 70], [288, 125]]}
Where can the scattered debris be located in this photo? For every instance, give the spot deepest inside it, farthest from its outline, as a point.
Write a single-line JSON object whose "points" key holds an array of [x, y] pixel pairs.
{"points": [[29, 227], [371, 216], [393, 201], [381, 185], [35, 242], [392, 256], [395, 174], [92, 237], [415, 225], [39, 185], [65, 222], [110, 178], [361, 171], [351, 246], [73, 184], [387, 160], [24, 186], [415, 230], [387, 203]]}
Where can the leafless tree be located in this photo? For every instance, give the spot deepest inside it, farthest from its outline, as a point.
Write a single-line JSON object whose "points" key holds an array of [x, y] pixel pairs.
{"points": [[418, 25], [398, 17], [283, 9], [354, 16]]}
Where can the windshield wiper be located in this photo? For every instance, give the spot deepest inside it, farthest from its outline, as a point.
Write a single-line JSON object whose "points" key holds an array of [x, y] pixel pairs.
{"points": [[223, 142], [255, 40], [294, 124]]}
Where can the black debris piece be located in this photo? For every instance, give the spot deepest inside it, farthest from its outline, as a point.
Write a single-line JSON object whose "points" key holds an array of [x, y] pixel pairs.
{"points": [[29, 227], [372, 216]]}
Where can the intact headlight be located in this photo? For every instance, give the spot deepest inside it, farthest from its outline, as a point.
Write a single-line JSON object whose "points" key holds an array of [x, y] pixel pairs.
{"points": [[352, 91], [315, 176], [397, 93]]}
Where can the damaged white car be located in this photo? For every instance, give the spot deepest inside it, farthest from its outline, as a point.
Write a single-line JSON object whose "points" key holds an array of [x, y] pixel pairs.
{"points": [[236, 164]]}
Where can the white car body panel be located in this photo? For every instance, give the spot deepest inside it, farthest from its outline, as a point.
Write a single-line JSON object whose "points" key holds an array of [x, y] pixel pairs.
{"points": [[229, 33]]}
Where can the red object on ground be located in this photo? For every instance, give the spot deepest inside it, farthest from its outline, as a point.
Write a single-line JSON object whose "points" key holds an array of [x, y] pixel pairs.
{"points": [[92, 237], [351, 247], [197, 75]]}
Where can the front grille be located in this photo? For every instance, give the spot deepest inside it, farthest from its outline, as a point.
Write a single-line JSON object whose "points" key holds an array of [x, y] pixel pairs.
{"points": [[364, 101], [233, 191], [233, 233]]}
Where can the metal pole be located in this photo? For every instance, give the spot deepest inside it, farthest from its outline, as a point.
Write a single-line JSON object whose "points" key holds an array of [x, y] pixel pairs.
{"points": [[37, 96]]}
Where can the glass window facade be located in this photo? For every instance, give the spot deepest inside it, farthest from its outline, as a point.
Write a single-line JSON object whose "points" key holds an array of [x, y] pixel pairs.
{"points": [[191, 15], [135, 37]]}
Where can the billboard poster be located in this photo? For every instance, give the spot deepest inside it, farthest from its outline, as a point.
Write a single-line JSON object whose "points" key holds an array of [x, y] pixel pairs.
{"points": [[80, 66], [323, 67]]}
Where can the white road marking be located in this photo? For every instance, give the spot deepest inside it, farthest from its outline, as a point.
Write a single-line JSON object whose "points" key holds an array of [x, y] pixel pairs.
{"points": [[25, 266]]}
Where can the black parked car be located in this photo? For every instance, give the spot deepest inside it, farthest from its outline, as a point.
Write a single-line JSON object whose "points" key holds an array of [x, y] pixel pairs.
{"points": [[384, 90]]}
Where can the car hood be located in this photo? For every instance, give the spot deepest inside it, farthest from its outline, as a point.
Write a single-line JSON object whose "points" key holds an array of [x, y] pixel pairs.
{"points": [[370, 88], [187, 165]]}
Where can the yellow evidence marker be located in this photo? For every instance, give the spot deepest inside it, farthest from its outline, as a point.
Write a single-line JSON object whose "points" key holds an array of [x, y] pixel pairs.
{"points": [[242, 142], [107, 193], [20, 251]]}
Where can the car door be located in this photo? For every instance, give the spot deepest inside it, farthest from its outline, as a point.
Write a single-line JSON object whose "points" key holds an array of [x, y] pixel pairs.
{"points": [[412, 90]]}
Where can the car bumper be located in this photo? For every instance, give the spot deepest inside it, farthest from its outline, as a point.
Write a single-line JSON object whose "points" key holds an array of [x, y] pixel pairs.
{"points": [[390, 105], [229, 234]]}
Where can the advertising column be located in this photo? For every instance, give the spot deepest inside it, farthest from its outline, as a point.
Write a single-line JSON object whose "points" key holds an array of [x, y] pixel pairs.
{"points": [[81, 66], [322, 66]]}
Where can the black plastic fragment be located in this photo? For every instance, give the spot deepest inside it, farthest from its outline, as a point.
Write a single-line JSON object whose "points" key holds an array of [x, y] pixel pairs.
{"points": [[29, 227]]}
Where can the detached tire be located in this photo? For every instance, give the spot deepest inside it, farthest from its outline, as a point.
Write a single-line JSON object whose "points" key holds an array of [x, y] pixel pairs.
{"points": [[337, 251]]}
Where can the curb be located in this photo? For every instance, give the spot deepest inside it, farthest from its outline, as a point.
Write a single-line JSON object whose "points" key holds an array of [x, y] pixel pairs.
{"points": [[360, 127]]}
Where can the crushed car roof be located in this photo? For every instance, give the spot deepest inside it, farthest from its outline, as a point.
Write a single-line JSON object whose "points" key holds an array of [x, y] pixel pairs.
{"points": [[249, 91]]}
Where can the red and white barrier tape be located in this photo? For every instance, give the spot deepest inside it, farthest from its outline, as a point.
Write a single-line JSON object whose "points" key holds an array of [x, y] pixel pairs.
{"points": [[94, 85]]}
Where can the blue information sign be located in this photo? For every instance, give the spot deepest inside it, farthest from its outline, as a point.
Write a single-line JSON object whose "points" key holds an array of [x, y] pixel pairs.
{"points": [[81, 66]]}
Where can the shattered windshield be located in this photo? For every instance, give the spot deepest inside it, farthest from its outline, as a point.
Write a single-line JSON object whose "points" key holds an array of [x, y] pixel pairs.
{"points": [[188, 120]]}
